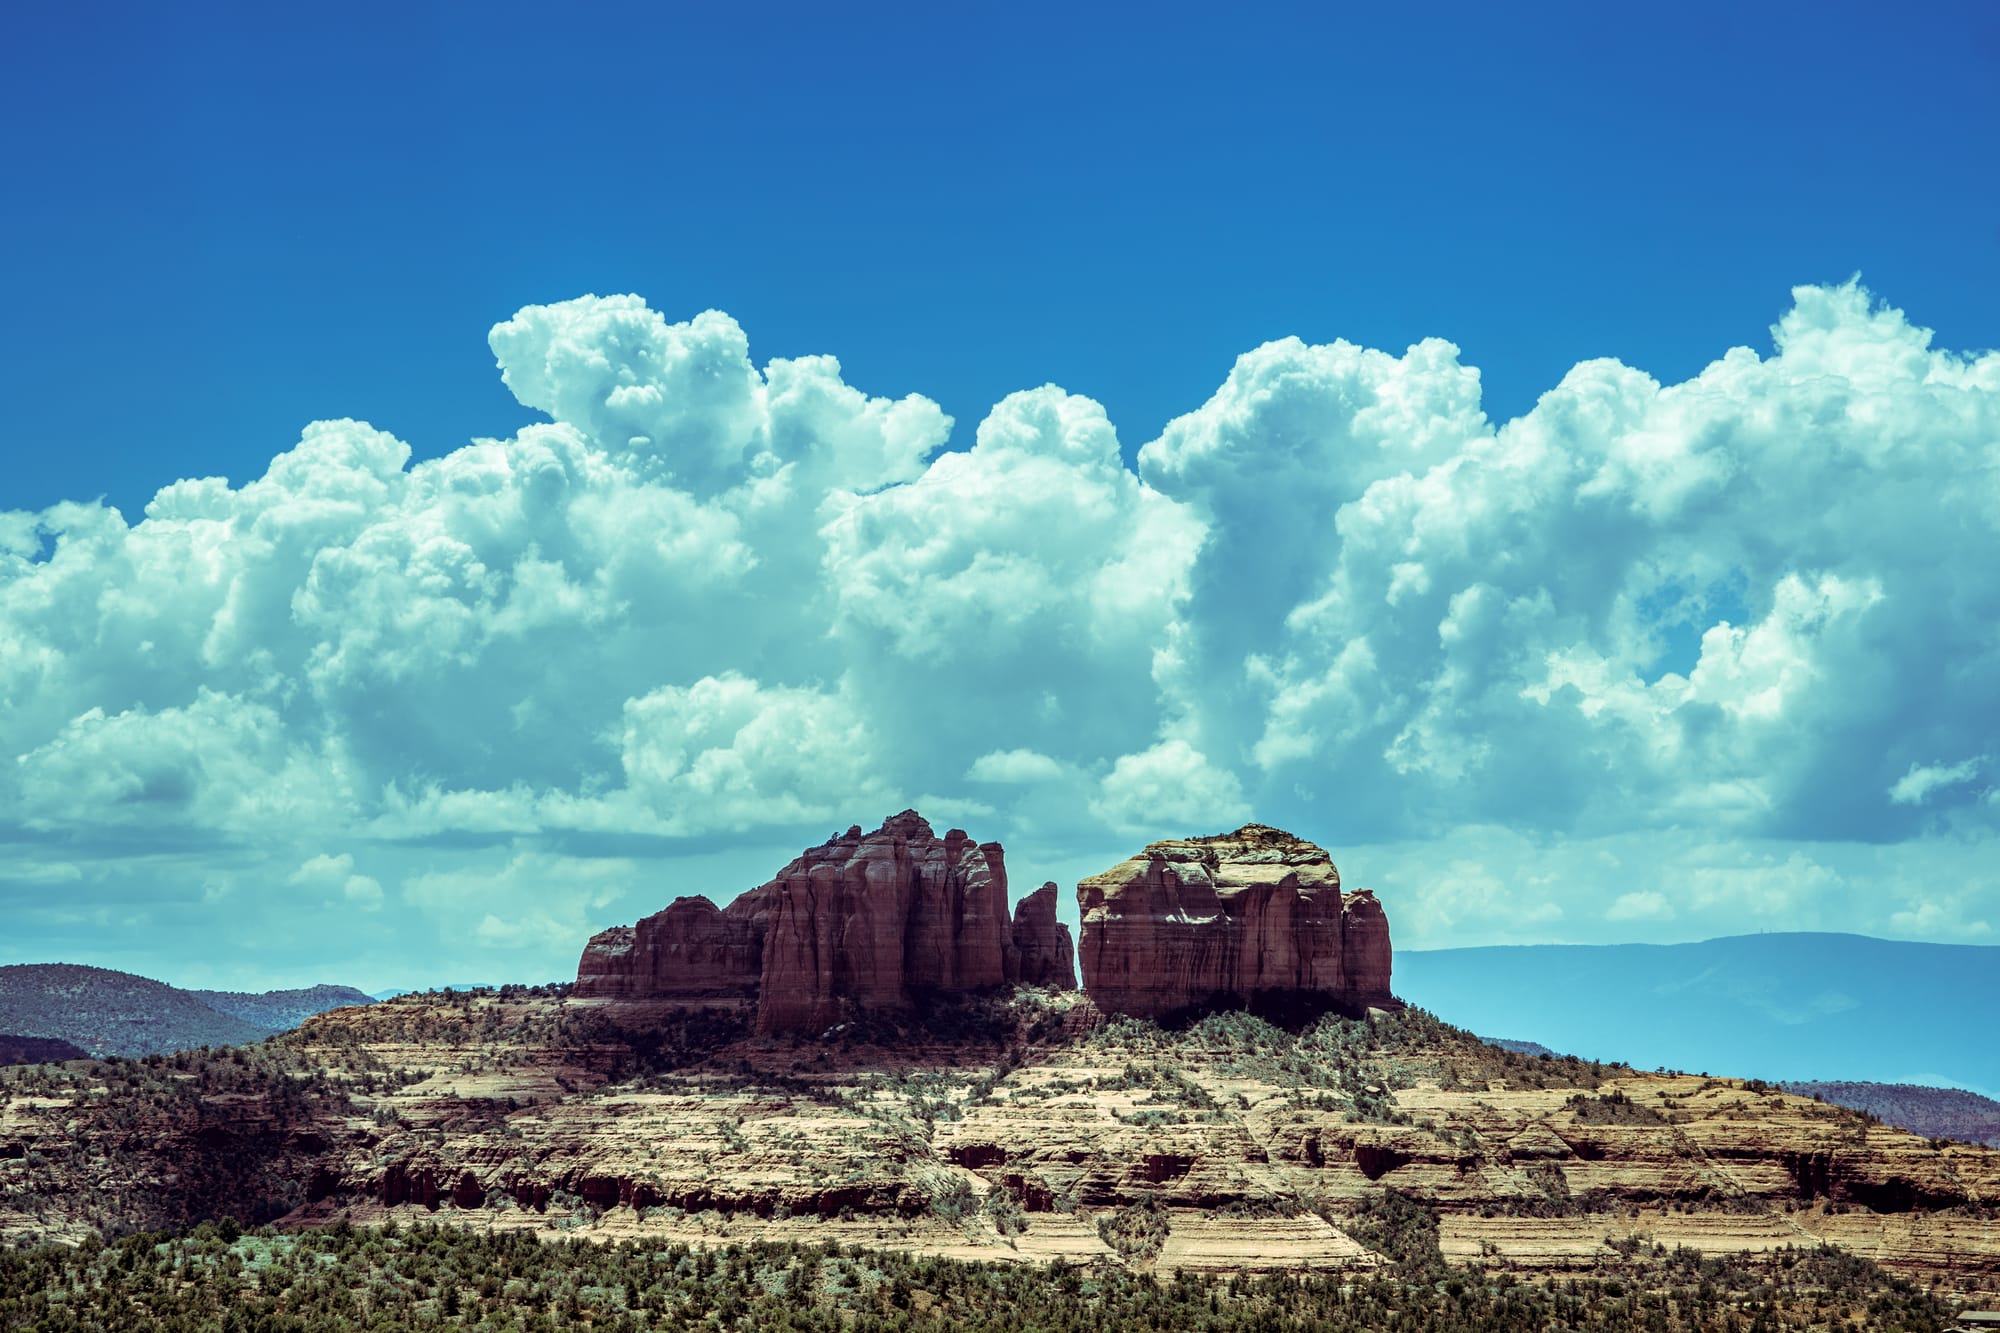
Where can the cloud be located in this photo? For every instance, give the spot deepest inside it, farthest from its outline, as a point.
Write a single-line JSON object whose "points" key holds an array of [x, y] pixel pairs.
{"points": [[1017, 767], [1933, 918], [1012, 597], [323, 871], [327, 875], [1649, 905], [1921, 781], [40, 872], [1170, 785], [1491, 885], [221, 764], [363, 891], [726, 753], [706, 599], [1451, 890], [521, 903]]}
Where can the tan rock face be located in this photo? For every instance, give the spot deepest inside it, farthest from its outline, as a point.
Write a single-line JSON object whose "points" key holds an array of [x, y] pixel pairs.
{"points": [[1254, 915], [863, 922], [530, 1111], [1039, 952]]}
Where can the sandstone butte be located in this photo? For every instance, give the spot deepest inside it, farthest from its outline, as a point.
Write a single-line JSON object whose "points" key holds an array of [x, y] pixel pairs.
{"points": [[862, 923], [1254, 918], [876, 922], [1020, 1134]]}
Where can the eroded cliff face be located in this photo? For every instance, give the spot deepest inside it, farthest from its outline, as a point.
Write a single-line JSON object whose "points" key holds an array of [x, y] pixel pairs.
{"points": [[1258, 1147], [862, 923], [1254, 916], [869, 923], [694, 954], [1040, 952]]}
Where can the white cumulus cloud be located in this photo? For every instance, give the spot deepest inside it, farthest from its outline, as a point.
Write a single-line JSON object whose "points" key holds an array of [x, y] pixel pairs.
{"points": [[706, 599]]}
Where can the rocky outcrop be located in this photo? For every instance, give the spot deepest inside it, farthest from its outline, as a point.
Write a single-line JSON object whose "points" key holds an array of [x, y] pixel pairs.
{"points": [[521, 1107], [1039, 952], [861, 923], [1364, 947], [1251, 917], [866, 923], [694, 954]]}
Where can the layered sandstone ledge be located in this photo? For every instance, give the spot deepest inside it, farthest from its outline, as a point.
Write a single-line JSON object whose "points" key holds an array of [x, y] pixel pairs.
{"points": [[861, 923], [1255, 917]]}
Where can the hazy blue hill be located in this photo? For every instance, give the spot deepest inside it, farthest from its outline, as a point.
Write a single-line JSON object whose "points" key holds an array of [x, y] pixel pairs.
{"points": [[116, 1013], [111, 1013], [451, 986], [1776, 1006], [1945, 1113], [282, 1010], [1519, 1047]]}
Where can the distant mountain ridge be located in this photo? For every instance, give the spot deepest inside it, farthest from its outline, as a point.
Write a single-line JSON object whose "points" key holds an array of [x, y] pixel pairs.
{"points": [[1942, 1113], [1792, 1006], [282, 1010], [1518, 1047], [106, 1012], [460, 986]]}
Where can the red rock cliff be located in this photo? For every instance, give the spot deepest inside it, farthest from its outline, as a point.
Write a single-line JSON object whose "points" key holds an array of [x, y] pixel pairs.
{"points": [[1040, 953], [1246, 916], [694, 954], [861, 922]]}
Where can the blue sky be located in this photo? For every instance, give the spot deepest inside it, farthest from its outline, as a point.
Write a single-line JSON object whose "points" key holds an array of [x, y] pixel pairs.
{"points": [[225, 228], [1679, 678]]}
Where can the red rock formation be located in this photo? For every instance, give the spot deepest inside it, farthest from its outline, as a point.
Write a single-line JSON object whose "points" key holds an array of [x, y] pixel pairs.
{"points": [[1254, 915], [1364, 952], [864, 923], [694, 954], [859, 923], [1039, 952]]}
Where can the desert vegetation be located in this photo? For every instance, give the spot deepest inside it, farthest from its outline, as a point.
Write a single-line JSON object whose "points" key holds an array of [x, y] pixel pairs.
{"points": [[220, 1278]]}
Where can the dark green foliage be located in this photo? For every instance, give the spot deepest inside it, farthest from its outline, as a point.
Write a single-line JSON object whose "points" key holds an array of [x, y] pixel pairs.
{"points": [[677, 1040], [17, 1050], [1136, 1233], [1612, 1108], [207, 1281], [281, 1010], [1402, 1229], [199, 1134], [1353, 1065]]}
